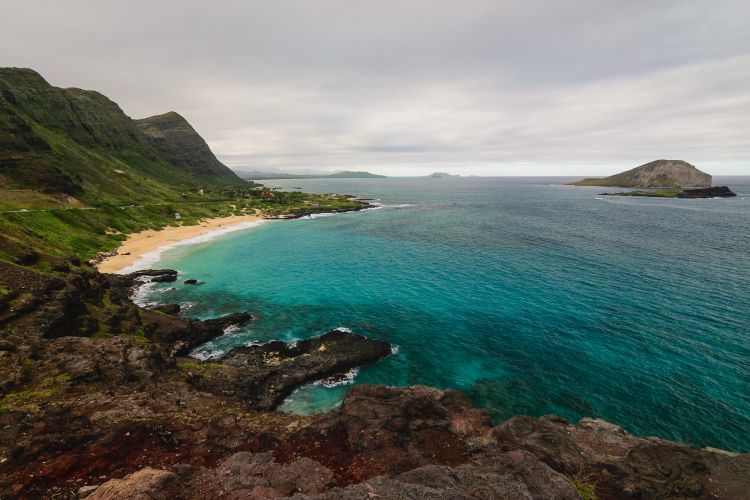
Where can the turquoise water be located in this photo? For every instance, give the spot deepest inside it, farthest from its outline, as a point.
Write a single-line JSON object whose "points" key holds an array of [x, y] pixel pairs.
{"points": [[531, 296]]}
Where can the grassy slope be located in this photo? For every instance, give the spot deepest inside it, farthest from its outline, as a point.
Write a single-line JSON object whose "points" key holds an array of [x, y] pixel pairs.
{"points": [[76, 174]]}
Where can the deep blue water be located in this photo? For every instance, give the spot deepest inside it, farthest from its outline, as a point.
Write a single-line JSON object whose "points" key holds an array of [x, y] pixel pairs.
{"points": [[532, 296]]}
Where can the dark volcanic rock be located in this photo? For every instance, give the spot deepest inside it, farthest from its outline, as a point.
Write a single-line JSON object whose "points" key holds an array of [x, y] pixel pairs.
{"points": [[164, 278], [709, 192], [622, 465], [266, 374], [515, 475], [171, 309], [27, 258], [181, 335], [191, 282]]}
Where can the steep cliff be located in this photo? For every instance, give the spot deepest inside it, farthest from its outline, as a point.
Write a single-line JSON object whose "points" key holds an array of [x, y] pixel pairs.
{"points": [[178, 142]]}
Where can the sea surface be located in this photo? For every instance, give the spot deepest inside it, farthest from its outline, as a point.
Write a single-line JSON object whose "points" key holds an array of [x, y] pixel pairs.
{"points": [[532, 296]]}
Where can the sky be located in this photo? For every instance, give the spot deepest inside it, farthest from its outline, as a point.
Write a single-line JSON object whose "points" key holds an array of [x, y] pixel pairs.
{"points": [[409, 87]]}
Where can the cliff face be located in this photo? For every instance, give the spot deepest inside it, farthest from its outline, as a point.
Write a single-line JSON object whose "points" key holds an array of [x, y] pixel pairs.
{"points": [[658, 173], [178, 142]]}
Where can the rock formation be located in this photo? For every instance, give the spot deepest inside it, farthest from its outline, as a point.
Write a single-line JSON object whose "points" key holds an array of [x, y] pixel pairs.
{"points": [[658, 173]]}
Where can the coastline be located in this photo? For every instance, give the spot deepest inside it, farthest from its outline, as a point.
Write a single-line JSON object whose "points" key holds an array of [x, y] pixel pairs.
{"points": [[141, 249]]}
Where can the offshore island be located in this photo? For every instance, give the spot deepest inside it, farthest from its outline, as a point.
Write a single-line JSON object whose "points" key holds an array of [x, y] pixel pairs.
{"points": [[99, 397], [662, 179]]}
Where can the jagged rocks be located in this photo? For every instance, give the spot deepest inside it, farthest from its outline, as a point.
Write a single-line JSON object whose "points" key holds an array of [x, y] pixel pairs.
{"points": [[264, 375], [515, 475], [622, 465]]}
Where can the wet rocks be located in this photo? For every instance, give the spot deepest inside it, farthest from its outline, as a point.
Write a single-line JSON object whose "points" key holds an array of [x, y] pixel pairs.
{"points": [[264, 375], [191, 282], [171, 309], [164, 278]]}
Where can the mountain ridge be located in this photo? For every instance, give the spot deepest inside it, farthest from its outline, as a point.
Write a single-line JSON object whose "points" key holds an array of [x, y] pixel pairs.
{"points": [[81, 143]]}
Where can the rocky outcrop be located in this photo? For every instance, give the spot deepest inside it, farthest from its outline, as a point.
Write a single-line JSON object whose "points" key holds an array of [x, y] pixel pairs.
{"points": [[622, 465], [264, 375], [658, 173], [710, 192]]}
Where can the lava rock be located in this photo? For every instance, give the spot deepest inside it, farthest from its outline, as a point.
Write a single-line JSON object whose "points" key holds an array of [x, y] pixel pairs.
{"points": [[709, 192]]}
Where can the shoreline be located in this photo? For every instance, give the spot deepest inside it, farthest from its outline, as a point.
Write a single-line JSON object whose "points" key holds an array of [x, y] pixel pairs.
{"points": [[140, 250]]}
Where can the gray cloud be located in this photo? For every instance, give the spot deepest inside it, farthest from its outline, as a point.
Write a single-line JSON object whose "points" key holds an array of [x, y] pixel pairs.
{"points": [[408, 87]]}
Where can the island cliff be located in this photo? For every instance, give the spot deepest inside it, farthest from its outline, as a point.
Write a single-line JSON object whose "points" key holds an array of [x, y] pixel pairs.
{"points": [[658, 173]]}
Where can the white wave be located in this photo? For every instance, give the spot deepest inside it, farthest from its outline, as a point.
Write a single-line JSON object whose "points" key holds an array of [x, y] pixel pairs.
{"points": [[395, 349], [321, 215], [204, 354], [141, 294], [337, 380], [148, 259], [343, 329], [231, 329]]}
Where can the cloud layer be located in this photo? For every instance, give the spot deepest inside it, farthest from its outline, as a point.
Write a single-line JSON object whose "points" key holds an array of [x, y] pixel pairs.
{"points": [[409, 87]]}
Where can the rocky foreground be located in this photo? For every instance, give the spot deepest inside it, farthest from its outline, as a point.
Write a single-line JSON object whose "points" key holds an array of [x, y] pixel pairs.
{"points": [[99, 401]]}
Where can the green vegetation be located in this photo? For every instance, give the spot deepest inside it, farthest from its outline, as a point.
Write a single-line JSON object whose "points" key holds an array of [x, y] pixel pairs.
{"points": [[26, 398], [584, 487], [77, 175]]}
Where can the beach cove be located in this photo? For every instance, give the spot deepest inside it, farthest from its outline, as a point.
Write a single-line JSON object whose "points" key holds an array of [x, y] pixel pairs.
{"points": [[141, 249]]}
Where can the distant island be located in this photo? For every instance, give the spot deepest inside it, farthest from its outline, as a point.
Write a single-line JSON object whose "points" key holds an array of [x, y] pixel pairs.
{"points": [[346, 174], [442, 175], [655, 174]]}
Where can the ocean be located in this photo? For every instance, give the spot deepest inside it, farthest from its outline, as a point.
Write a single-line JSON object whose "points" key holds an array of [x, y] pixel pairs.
{"points": [[531, 296]]}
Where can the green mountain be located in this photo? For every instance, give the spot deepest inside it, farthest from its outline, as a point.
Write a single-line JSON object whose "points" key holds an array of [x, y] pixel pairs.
{"points": [[79, 143], [178, 142], [658, 173]]}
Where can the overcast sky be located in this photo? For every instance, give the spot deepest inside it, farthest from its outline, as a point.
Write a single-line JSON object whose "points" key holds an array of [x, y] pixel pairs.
{"points": [[409, 87]]}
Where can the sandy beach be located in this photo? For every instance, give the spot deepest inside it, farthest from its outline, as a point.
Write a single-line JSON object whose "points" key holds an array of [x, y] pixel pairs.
{"points": [[140, 249]]}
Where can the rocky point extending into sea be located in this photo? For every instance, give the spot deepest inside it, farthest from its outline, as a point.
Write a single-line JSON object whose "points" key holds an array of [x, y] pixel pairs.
{"points": [[131, 416]]}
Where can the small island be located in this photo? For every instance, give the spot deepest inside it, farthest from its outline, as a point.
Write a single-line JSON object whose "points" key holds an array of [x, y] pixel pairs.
{"points": [[662, 179]]}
